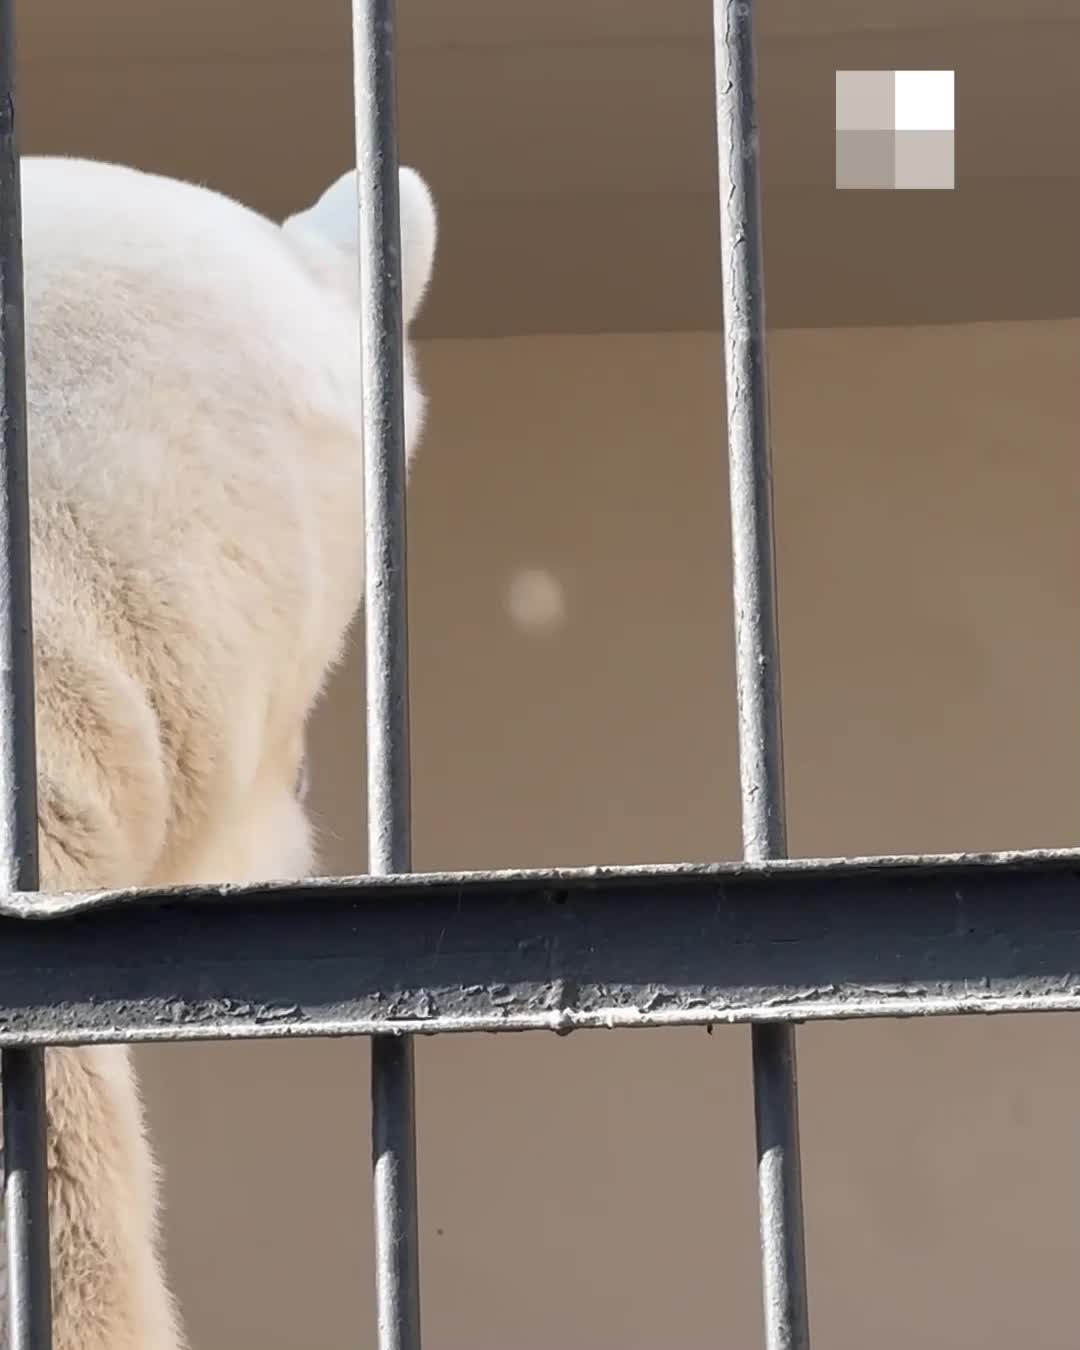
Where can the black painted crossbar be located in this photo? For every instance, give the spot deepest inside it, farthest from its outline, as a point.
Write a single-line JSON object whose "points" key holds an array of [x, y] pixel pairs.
{"points": [[667, 946]]}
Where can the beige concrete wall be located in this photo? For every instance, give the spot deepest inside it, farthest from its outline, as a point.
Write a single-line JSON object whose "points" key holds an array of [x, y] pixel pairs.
{"points": [[597, 1192]]}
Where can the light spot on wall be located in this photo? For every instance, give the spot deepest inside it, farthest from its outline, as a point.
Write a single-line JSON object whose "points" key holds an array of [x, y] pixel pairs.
{"points": [[536, 600]]}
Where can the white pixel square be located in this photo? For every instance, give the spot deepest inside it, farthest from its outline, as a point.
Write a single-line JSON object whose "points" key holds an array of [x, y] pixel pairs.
{"points": [[925, 100]]}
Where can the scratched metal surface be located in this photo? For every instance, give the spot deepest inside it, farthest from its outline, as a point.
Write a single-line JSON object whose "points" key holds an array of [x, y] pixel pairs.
{"points": [[557, 950]]}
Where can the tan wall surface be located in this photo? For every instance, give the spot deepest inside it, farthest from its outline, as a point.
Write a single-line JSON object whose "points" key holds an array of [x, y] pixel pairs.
{"points": [[571, 146], [597, 1192]]}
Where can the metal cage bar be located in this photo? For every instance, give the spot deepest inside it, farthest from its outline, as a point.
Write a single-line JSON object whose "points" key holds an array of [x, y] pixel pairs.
{"points": [[26, 1201], [795, 941], [757, 655], [26, 1213], [397, 1274]]}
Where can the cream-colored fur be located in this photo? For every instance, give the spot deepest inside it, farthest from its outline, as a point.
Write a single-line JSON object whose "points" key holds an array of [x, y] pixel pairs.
{"points": [[194, 422]]}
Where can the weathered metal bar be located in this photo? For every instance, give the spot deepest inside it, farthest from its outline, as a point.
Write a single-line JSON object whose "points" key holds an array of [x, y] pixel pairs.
{"points": [[386, 644], [26, 1214], [756, 647], [639, 947], [26, 1200]]}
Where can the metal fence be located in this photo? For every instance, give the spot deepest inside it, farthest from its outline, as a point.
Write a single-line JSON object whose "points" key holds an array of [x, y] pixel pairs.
{"points": [[763, 941]]}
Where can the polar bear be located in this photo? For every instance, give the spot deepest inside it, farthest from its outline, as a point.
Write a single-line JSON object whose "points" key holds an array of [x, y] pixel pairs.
{"points": [[194, 418]]}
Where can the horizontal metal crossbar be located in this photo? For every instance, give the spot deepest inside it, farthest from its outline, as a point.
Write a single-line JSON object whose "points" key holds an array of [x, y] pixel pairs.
{"points": [[786, 941]]}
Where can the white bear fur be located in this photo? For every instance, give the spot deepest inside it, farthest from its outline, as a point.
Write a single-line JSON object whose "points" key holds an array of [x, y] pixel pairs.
{"points": [[196, 501]]}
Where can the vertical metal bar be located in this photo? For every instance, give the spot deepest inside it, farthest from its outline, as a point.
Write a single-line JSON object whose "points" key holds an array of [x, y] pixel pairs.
{"points": [[26, 1213], [397, 1273], [776, 1112], [26, 1201], [756, 647]]}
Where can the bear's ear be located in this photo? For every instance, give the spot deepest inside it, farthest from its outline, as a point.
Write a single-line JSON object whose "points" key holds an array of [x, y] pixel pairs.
{"points": [[419, 235], [334, 217]]}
